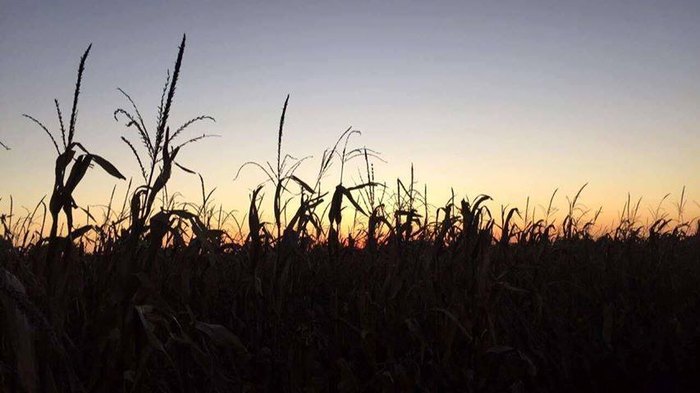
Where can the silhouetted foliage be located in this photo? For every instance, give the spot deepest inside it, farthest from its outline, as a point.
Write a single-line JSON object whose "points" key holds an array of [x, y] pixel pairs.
{"points": [[174, 300]]}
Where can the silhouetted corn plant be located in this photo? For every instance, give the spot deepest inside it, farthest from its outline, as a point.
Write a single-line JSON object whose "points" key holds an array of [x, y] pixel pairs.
{"points": [[336, 206], [62, 193], [161, 148], [280, 175]]}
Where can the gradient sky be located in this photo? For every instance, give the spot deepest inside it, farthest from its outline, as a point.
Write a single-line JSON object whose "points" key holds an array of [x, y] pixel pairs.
{"points": [[508, 98]]}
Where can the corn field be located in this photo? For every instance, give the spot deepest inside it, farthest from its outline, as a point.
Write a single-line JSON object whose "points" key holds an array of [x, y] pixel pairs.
{"points": [[156, 295]]}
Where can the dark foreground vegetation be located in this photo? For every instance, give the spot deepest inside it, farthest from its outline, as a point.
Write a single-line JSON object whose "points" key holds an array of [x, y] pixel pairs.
{"points": [[159, 296]]}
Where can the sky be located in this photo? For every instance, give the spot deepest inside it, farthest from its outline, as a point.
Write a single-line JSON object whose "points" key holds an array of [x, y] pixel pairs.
{"points": [[507, 98]]}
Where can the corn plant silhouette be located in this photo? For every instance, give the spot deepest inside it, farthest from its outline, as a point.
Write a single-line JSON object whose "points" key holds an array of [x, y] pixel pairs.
{"points": [[71, 154], [160, 148], [62, 193], [341, 192]]}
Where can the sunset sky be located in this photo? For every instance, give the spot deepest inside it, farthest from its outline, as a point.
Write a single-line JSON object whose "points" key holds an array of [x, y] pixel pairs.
{"points": [[507, 98]]}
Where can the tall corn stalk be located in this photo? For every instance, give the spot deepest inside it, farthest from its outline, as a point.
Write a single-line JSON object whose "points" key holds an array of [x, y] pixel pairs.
{"points": [[62, 193]]}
